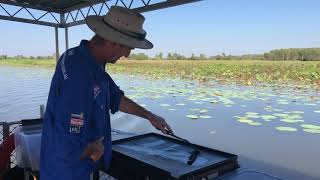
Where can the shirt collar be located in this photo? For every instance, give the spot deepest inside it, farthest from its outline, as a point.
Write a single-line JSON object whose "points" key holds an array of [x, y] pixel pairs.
{"points": [[89, 57]]}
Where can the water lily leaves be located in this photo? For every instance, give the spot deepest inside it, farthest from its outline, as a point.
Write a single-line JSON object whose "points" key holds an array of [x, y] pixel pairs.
{"points": [[268, 117], [205, 117], [255, 123], [291, 120], [281, 115], [253, 116], [202, 111], [251, 113], [315, 131], [194, 109], [310, 126], [214, 102], [310, 104], [289, 129], [282, 101], [297, 112], [249, 122], [192, 116], [245, 120]]}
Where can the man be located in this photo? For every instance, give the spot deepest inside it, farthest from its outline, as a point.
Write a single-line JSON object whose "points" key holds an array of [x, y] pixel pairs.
{"points": [[76, 131]]}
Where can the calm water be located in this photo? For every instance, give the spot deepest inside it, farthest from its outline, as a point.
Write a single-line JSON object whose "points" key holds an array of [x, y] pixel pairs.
{"points": [[273, 130]]}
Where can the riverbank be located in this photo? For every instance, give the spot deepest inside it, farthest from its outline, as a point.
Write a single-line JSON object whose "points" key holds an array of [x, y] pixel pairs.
{"points": [[240, 71]]}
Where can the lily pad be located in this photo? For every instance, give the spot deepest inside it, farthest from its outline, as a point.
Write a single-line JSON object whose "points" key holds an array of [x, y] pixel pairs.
{"points": [[291, 120], [205, 117], [310, 126], [202, 111], [297, 112], [282, 128], [192, 116], [245, 120], [253, 116], [252, 113], [265, 117], [214, 101], [315, 131], [255, 123]]}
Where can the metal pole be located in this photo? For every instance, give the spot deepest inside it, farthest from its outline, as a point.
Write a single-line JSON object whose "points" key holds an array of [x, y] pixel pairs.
{"points": [[5, 130], [57, 43], [41, 111], [63, 24], [67, 37]]}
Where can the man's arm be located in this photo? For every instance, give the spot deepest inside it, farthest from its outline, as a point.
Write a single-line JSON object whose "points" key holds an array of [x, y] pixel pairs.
{"points": [[130, 107]]}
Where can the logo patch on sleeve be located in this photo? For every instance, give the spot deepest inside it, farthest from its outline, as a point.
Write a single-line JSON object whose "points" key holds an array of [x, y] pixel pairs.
{"points": [[96, 91], [76, 123]]}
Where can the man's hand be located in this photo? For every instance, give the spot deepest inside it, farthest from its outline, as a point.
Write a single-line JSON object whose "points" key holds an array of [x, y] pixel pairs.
{"points": [[94, 150], [159, 123]]}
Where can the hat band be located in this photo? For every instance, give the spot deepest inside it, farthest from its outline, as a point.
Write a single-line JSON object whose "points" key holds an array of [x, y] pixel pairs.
{"points": [[128, 33]]}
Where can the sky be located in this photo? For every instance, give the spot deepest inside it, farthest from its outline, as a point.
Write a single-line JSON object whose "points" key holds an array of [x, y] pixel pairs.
{"points": [[210, 27]]}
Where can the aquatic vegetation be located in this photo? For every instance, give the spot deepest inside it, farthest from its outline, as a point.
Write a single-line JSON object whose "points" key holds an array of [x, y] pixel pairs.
{"points": [[310, 126], [247, 72], [289, 129], [192, 116], [315, 131], [205, 117], [202, 111]]}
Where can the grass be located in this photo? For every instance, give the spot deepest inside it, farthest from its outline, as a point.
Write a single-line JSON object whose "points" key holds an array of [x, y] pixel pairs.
{"points": [[29, 62], [242, 71]]}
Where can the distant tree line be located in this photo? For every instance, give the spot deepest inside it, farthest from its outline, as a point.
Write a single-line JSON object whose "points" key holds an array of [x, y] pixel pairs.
{"points": [[25, 57], [300, 54]]}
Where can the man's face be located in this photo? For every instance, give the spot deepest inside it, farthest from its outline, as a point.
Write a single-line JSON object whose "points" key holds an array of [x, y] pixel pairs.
{"points": [[118, 51]]}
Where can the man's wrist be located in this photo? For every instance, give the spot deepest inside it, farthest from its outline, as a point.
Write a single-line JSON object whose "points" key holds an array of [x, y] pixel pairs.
{"points": [[148, 115]]}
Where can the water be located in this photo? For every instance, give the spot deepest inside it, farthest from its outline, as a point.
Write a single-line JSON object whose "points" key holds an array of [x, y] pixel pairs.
{"points": [[236, 119]]}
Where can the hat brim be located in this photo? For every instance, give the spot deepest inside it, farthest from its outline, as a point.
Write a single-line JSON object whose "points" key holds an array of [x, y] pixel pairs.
{"points": [[97, 25]]}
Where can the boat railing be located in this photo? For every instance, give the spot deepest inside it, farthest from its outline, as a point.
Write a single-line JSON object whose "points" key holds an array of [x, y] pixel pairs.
{"points": [[6, 129]]}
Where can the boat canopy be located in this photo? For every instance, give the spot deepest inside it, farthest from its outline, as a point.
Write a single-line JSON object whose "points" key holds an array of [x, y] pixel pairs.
{"points": [[68, 13]]}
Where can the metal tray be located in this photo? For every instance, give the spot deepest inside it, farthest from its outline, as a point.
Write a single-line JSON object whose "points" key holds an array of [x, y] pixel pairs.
{"points": [[163, 157]]}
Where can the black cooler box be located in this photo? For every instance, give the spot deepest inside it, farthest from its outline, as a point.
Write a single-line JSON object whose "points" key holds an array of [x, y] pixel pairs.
{"points": [[155, 156]]}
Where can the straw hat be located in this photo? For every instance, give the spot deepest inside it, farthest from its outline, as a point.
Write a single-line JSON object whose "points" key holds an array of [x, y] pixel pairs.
{"points": [[120, 25]]}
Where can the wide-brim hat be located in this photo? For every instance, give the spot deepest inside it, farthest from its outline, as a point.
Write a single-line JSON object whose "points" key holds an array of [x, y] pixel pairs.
{"points": [[120, 25]]}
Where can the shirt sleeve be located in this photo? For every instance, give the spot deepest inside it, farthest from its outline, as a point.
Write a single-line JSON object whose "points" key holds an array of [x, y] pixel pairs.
{"points": [[115, 95]]}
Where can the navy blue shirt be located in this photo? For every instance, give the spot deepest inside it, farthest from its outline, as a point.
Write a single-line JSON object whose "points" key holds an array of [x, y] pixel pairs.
{"points": [[81, 96]]}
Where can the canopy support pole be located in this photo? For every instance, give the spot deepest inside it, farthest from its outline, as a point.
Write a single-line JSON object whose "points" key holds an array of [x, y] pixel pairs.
{"points": [[67, 37], [57, 43]]}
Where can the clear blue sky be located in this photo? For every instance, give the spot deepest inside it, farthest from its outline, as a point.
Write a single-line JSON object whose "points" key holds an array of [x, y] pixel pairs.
{"points": [[210, 27]]}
